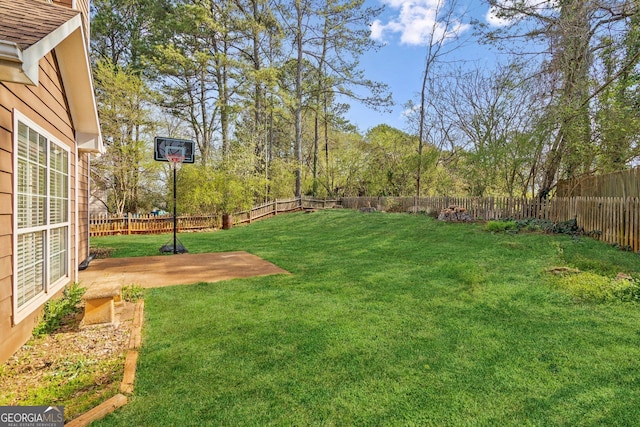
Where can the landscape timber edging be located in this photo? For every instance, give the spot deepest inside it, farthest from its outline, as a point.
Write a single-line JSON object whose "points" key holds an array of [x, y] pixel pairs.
{"points": [[126, 386]]}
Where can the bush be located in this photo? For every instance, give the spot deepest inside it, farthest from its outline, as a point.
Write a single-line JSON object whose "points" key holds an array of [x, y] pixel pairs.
{"points": [[56, 310], [591, 287], [628, 290], [533, 224], [394, 205], [569, 227], [500, 226]]}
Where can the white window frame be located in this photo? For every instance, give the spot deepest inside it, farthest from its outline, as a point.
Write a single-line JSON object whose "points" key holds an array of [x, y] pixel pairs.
{"points": [[50, 288]]}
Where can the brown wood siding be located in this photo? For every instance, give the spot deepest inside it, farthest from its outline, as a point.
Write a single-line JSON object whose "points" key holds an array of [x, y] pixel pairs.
{"points": [[82, 194], [67, 3], [46, 106], [5, 282], [83, 7], [5, 126], [6, 221], [6, 161]]}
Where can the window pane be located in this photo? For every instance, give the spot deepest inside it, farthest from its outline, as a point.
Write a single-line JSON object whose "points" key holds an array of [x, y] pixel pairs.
{"points": [[59, 211], [23, 141], [58, 253], [59, 158], [58, 190], [30, 266], [31, 178], [42, 149], [42, 180], [23, 211], [23, 182]]}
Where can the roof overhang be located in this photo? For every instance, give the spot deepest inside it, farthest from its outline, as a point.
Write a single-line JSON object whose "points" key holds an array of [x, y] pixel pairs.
{"points": [[22, 66]]}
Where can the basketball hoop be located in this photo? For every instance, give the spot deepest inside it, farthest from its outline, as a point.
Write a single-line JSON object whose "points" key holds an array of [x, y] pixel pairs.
{"points": [[175, 159], [176, 152]]}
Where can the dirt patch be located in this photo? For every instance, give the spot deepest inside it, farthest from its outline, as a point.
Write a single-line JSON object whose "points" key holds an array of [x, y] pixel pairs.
{"points": [[168, 270], [77, 367]]}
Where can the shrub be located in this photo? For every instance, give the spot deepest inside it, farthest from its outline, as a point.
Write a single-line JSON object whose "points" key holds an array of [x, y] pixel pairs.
{"points": [[592, 287], [628, 290], [56, 310], [394, 205], [569, 227], [500, 226]]}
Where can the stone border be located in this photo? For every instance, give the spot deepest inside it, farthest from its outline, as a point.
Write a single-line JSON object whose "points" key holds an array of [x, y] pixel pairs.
{"points": [[126, 386]]}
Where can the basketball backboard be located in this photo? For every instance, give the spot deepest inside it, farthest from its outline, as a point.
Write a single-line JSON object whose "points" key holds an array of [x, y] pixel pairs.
{"points": [[163, 146]]}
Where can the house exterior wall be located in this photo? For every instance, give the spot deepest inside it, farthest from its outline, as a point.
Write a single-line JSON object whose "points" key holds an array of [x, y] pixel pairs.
{"points": [[46, 106], [82, 198]]}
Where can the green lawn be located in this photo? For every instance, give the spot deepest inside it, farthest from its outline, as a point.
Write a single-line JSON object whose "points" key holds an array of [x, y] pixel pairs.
{"points": [[387, 319]]}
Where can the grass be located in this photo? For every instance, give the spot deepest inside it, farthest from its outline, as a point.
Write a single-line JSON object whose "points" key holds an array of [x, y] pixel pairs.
{"points": [[387, 319]]}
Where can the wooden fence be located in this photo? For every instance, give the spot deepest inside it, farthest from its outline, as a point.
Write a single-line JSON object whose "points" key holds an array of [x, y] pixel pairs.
{"points": [[614, 220], [276, 207], [108, 225], [479, 208], [616, 184]]}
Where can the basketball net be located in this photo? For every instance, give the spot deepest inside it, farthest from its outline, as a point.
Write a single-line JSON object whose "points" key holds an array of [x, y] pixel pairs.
{"points": [[175, 160]]}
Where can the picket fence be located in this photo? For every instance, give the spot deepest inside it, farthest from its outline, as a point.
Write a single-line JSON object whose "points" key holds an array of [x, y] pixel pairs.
{"points": [[109, 225], [614, 220]]}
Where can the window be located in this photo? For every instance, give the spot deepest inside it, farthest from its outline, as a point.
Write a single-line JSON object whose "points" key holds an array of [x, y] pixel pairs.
{"points": [[42, 217]]}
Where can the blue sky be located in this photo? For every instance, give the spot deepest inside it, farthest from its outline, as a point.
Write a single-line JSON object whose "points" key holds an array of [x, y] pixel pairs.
{"points": [[400, 62]]}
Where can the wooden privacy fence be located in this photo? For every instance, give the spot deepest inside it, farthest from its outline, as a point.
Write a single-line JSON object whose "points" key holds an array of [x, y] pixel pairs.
{"points": [[614, 220], [479, 208], [616, 184]]}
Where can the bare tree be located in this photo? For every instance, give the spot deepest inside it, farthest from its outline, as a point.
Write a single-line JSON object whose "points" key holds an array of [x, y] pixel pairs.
{"points": [[442, 39]]}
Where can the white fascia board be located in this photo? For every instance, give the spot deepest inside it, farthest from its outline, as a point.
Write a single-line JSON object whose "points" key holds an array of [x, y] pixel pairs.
{"points": [[73, 60]]}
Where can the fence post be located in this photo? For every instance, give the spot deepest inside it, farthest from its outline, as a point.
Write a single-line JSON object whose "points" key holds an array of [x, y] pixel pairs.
{"points": [[128, 224]]}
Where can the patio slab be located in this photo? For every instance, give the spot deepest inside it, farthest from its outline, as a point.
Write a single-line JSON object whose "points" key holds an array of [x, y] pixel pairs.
{"points": [[181, 269]]}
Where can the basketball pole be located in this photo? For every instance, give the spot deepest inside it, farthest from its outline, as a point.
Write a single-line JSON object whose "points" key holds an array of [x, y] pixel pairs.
{"points": [[175, 211]]}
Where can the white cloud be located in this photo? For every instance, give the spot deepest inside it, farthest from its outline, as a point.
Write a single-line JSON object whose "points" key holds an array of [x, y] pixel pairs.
{"points": [[540, 7], [495, 21], [415, 22]]}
